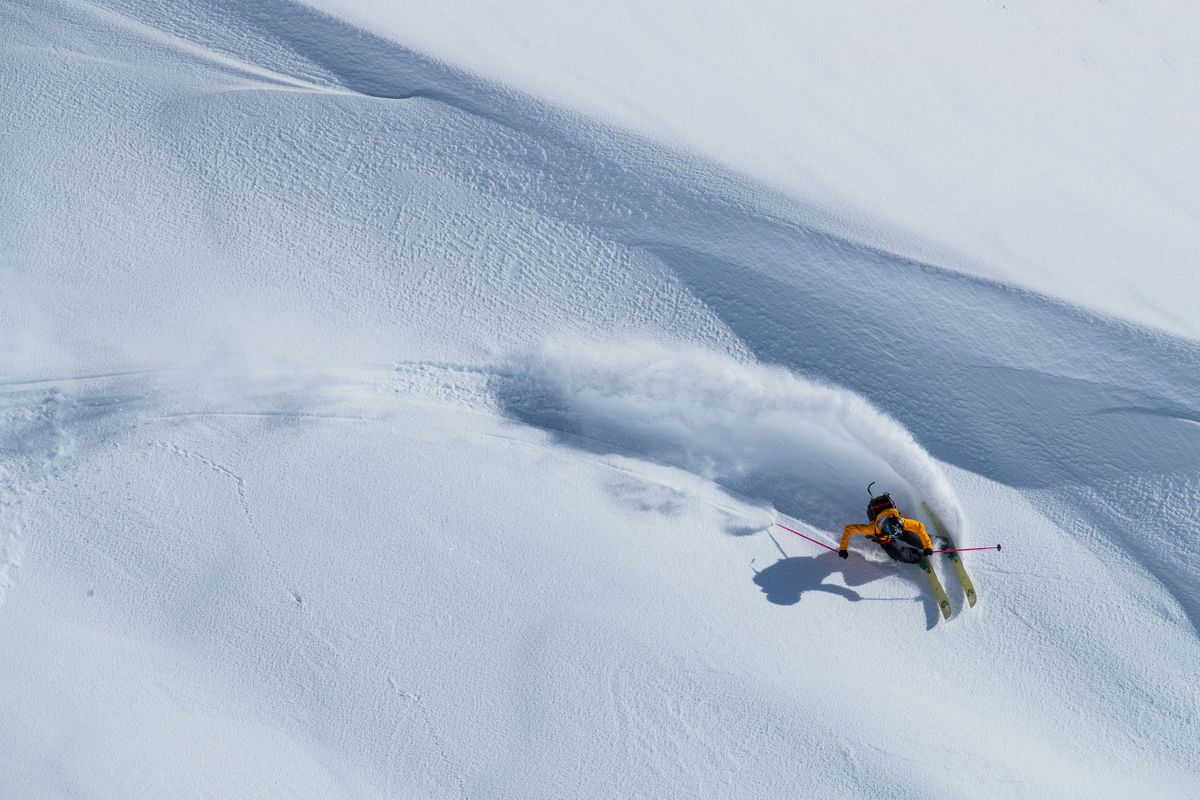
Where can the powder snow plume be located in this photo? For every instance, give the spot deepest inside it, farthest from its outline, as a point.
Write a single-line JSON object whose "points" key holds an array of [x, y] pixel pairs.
{"points": [[765, 433]]}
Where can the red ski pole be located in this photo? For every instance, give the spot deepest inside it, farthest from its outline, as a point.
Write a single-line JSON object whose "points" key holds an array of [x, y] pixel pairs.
{"points": [[966, 549], [802, 536]]}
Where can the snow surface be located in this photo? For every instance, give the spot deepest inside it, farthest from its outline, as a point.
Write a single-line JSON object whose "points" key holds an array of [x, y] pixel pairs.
{"points": [[1047, 145], [369, 429]]}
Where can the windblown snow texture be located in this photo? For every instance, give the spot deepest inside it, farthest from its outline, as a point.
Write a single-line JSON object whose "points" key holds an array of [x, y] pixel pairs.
{"points": [[370, 429]]}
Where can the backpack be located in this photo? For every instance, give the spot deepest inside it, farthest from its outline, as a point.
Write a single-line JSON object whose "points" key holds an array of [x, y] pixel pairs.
{"points": [[880, 503]]}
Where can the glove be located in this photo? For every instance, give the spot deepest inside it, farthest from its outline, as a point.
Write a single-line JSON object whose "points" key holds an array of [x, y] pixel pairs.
{"points": [[843, 554], [928, 551]]}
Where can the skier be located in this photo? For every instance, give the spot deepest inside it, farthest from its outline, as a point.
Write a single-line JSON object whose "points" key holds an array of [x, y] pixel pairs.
{"points": [[901, 538]]}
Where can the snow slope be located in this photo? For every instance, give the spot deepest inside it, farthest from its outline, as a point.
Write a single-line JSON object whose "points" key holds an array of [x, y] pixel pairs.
{"points": [[1046, 145], [370, 429]]}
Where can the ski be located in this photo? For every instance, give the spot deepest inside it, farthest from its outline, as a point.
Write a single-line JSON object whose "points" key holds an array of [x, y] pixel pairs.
{"points": [[948, 544], [938, 592]]}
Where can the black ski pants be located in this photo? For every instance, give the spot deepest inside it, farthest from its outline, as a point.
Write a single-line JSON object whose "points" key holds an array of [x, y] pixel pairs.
{"points": [[906, 547]]}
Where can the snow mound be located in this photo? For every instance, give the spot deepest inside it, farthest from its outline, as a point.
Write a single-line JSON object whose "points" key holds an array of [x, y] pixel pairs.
{"points": [[760, 431]]}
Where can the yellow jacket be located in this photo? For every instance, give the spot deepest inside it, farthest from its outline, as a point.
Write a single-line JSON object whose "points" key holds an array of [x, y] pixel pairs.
{"points": [[872, 529]]}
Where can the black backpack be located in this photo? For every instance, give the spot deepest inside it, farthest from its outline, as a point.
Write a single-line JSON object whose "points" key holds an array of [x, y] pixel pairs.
{"points": [[880, 503]]}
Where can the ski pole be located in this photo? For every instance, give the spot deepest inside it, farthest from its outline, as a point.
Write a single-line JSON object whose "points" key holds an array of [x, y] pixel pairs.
{"points": [[802, 536], [961, 549]]}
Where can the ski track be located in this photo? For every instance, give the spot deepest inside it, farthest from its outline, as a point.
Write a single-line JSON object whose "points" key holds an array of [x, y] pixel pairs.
{"points": [[127, 399], [168, 397], [44, 420]]}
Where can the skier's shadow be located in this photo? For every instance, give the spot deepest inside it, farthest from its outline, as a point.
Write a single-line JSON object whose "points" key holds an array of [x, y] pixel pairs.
{"points": [[786, 581]]}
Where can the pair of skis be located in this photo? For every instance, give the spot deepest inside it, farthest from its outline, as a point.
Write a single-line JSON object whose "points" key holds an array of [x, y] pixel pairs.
{"points": [[947, 543]]}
